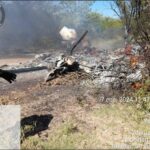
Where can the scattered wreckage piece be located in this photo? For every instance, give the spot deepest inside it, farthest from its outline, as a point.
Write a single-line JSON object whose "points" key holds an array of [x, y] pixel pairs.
{"points": [[134, 77], [63, 65], [76, 44]]}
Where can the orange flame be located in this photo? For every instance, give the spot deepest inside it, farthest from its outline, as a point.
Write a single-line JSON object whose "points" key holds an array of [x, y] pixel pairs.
{"points": [[134, 61], [136, 85]]}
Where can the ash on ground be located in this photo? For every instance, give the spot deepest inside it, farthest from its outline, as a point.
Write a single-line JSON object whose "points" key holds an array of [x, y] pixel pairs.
{"points": [[104, 68]]}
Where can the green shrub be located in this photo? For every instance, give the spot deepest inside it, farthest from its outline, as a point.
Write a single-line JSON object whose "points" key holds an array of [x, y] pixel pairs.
{"points": [[142, 97]]}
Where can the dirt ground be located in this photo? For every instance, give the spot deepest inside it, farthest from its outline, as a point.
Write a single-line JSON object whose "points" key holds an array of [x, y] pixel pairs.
{"points": [[14, 60], [66, 101], [37, 97]]}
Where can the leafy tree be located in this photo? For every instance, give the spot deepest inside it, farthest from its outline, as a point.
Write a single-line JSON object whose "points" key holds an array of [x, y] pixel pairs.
{"points": [[97, 23]]}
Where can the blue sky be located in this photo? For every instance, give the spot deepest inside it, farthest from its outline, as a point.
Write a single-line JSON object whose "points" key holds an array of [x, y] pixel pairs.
{"points": [[104, 8]]}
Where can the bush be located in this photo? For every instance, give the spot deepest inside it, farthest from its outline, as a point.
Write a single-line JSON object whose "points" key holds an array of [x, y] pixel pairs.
{"points": [[142, 97]]}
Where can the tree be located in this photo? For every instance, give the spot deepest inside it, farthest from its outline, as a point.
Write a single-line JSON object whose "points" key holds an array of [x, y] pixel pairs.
{"points": [[135, 15]]}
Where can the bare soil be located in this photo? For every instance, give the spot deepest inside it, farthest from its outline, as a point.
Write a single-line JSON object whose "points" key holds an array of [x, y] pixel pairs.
{"points": [[37, 97], [14, 60]]}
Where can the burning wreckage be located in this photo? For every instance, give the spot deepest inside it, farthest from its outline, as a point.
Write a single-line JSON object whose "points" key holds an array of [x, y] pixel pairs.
{"points": [[106, 69], [64, 63], [116, 69]]}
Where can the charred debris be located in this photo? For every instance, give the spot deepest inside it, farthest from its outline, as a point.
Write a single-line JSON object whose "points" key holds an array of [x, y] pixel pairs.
{"points": [[119, 68]]}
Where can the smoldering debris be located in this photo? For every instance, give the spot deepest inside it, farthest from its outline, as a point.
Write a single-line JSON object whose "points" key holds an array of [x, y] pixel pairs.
{"points": [[114, 69], [63, 65]]}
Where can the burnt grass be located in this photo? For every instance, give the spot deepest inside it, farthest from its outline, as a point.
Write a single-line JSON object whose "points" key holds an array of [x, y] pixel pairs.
{"points": [[39, 98]]}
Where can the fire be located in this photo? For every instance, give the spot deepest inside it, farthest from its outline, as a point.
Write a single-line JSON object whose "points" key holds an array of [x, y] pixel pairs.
{"points": [[134, 61], [136, 85]]}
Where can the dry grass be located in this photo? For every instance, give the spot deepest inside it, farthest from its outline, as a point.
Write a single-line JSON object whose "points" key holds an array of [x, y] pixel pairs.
{"points": [[105, 126]]}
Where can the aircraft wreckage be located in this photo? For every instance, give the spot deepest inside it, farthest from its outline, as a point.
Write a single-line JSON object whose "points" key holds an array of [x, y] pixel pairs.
{"points": [[115, 68]]}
